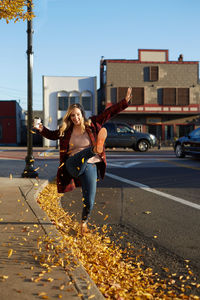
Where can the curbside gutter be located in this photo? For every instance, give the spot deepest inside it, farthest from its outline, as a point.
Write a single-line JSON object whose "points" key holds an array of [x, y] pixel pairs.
{"points": [[79, 275]]}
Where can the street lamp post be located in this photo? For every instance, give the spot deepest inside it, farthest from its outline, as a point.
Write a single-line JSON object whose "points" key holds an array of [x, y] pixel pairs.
{"points": [[29, 168]]}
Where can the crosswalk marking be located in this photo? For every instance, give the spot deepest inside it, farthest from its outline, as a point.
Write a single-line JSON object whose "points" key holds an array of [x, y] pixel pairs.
{"points": [[122, 164]]}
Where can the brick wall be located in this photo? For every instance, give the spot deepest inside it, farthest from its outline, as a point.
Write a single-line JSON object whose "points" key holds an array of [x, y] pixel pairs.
{"points": [[170, 75]]}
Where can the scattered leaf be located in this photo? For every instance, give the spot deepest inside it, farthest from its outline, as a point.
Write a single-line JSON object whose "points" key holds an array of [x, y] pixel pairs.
{"points": [[10, 252]]}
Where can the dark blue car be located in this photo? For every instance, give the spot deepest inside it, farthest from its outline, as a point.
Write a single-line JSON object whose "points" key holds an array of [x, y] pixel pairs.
{"points": [[188, 145], [121, 135]]}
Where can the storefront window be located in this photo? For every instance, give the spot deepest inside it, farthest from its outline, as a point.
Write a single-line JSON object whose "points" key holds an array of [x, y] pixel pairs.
{"points": [[169, 132], [155, 130], [182, 130]]}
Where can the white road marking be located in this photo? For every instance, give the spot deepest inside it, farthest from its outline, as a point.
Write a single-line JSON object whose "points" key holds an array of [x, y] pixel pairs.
{"points": [[141, 155], [151, 190], [49, 153], [122, 164]]}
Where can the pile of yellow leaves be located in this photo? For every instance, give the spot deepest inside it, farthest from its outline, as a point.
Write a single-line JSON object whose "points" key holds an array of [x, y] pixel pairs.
{"points": [[117, 276], [15, 10]]}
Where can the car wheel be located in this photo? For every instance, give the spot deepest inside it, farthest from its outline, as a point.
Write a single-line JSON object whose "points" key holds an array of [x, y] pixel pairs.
{"points": [[143, 146], [179, 151]]}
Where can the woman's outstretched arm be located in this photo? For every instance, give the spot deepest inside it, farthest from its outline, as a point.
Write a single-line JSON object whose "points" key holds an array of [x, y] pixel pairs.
{"points": [[114, 109], [47, 133]]}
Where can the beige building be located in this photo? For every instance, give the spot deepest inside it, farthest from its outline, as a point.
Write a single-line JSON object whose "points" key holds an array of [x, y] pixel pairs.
{"points": [[166, 94]]}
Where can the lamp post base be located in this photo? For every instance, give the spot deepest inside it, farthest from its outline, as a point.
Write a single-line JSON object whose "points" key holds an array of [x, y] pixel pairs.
{"points": [[29, 171]]}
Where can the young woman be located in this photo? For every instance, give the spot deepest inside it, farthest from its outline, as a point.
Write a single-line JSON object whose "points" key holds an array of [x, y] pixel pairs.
{"points": [[82, 152]]}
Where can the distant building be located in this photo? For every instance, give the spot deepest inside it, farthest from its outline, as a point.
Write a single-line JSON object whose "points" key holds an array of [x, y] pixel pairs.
{"points": [[11, 117], [61, 91], [166, 94]]}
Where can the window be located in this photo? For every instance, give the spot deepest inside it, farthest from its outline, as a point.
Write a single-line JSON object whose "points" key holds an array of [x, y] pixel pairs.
{"points": [[87, 100], [183, 96], [63, 100], [123, 129], [169, 96], [62, 103], [153, 73], [121, 93], [104, 74], [182, 130], [138, 95], [176, 96], [74, 97]]}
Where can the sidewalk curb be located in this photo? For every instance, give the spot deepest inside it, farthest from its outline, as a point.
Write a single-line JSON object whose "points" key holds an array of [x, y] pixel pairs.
{"points": [[79, 274]]}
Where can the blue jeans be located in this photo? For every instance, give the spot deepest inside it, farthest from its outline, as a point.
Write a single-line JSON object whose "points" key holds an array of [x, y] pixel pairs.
{"points": [[78, 167]]}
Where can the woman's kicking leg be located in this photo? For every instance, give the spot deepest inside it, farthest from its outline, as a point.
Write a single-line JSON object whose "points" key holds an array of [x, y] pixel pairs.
{"points": [[88, 182]]}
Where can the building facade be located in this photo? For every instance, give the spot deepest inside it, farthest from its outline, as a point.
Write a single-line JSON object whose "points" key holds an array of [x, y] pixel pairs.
{"points": [[10, 122], [61, 91], [166, 94]]}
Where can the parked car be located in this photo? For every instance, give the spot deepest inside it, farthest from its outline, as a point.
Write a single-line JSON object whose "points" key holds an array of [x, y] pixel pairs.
{"points": [[188, 145], [121, 135]]}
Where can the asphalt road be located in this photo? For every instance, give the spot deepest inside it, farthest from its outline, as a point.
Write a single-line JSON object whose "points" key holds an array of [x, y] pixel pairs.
{"points": [[161, 198]]}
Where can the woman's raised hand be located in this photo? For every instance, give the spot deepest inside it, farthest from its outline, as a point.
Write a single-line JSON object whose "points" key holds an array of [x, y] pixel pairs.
{"points": [[39, 127], [128, 94]]}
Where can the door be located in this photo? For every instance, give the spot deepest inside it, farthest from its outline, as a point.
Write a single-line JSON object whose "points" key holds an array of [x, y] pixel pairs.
{"points": [[125, 136]]}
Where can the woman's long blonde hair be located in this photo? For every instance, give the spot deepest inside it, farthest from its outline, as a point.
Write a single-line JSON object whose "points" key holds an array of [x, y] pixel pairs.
{"points": [[67, 122]]}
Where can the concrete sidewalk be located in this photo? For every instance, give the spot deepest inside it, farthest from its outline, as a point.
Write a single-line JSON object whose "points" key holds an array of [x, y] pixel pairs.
{"points": [[22, 222]]}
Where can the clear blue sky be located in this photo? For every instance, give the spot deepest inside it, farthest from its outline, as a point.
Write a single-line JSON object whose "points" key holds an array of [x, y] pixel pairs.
{"points": [[70, 36]]}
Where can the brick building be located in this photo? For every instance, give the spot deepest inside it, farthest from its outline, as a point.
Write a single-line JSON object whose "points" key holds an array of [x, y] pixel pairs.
{"points": [[10, 122], [166, 94]]}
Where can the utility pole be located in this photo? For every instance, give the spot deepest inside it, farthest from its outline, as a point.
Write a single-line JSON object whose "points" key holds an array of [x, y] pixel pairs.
{"points": [[29, 171]]}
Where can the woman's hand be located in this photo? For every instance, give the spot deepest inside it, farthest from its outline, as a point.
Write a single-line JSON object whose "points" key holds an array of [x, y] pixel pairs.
{"points": [[128, 94], [39, 127]]}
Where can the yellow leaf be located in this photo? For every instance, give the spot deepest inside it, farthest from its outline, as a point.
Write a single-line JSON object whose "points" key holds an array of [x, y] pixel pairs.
{"points": [[42, 294], [50, 279], [106, 217], [32, 131], [10, 252], [61, 165], [62, 287]]}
